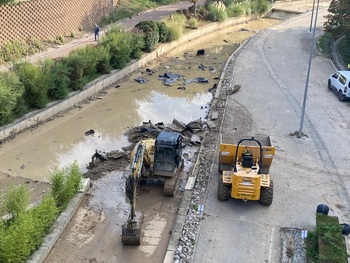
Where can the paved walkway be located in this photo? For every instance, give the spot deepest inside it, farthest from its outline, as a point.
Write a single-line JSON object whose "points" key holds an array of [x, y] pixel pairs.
{"points": [[156, 14]]}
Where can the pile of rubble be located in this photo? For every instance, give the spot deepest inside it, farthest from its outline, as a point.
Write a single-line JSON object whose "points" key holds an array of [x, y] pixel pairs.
{"points": [[101, 162]]}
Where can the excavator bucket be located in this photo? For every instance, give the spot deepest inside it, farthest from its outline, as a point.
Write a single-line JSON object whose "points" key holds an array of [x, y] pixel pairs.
{"points": [[131, 234]]}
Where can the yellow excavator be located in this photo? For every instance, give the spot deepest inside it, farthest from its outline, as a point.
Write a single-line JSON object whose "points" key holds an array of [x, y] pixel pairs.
{"points": [[244, 166], [159, 158]]}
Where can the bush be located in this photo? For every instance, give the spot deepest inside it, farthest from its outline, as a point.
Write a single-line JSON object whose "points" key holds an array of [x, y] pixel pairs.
{"points": [[16, 200], [22, 235], [175, 25], [119, 45], [13, 50], [6, 2], [65, 184], [89, 55], [35, 85], [151, 34], [75, 65], [323, 44], [235, 10], [344, 50], [192, 23], [260, 6], [163, 31], [103, 58], [217, 12], [58, 80], [138, 45], [11, 91]]}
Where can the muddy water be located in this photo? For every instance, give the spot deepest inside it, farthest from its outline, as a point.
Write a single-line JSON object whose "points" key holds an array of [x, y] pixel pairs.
{"points": [[59, 142]]}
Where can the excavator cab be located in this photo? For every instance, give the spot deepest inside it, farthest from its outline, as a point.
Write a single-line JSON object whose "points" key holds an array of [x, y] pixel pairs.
{"points": [[167, 154]]}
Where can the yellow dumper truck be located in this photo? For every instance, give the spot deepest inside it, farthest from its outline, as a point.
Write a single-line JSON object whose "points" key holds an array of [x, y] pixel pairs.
{"points": [[244, 165]]}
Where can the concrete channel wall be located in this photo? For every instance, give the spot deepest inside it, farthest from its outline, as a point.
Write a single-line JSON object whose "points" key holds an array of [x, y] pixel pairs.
{"points": [[92, 88]]}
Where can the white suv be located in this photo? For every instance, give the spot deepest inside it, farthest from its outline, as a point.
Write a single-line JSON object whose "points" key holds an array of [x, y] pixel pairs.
{"points": [[340, 83]]}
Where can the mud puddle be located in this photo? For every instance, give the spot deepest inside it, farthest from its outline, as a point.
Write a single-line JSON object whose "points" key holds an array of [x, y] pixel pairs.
{"points": [[61, 141]]}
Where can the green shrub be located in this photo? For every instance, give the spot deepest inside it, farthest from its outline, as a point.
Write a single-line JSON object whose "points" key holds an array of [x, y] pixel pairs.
{"points": [[103, 58], [344, 50], [323, 44], [76, 65], [16, 200], [202, 11], [89, 55], [6, 2], [45, 214], [163, 31], [175, 25], [11, 92], [13, 50], [138, 45], [193, 23], [260, 6], [58, 80], [64, 184], [151, 34], [21, 236], [236, 10], [119, 45], [217, 12], [35, 84], [247, 7]]}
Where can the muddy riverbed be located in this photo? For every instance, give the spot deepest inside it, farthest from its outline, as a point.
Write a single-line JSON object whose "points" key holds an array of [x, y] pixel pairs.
{"points": [[94, 233]]}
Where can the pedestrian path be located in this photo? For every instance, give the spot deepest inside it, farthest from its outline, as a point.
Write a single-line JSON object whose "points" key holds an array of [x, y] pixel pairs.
{"points": [[155, 14]]}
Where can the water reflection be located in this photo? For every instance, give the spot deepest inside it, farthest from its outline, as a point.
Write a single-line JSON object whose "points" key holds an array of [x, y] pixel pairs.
{"points": [[83, 150], [162, 108]]}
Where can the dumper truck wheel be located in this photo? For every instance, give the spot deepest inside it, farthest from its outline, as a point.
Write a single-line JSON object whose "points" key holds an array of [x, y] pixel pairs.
{"points": [[223, 190], [266, 194]]}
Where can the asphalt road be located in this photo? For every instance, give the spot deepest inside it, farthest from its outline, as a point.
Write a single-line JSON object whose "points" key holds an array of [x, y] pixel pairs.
{"points": [[272, 72]]}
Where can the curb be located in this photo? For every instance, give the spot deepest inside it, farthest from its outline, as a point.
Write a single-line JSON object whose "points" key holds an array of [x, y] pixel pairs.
{"points": [[61, 222]]}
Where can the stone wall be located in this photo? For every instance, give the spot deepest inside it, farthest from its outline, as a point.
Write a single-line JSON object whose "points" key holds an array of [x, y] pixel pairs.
{"points": [[48, 19]]}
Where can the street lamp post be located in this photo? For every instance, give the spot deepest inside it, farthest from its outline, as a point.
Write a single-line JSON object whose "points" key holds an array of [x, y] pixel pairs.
{"points": [[308, 75], [312, 14]]}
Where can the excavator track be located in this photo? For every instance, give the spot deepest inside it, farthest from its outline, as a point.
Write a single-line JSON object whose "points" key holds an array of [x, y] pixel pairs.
{"points": [[171, 182]]}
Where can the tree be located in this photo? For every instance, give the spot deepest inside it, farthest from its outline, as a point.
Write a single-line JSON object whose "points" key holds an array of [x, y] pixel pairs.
{"points": [[194, 2], [338, 19]]}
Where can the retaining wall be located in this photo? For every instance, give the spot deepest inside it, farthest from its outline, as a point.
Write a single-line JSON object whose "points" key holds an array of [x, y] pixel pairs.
{"points": [[168, 49], [48, 19]]}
